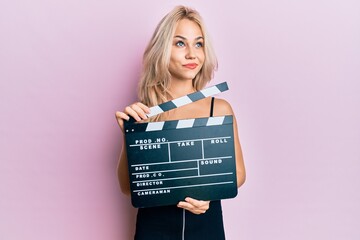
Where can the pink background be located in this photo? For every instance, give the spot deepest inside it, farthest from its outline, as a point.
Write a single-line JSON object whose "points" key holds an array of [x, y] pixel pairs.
{"points": [[293, 68]]}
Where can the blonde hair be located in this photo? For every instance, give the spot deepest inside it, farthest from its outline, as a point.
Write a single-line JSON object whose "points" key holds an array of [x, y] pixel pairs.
{"points": [[155, 77]]}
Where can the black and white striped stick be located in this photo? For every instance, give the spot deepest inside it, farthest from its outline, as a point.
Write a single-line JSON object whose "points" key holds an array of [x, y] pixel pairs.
{"points": [[192, 97], [184, 123], [179, 124]]}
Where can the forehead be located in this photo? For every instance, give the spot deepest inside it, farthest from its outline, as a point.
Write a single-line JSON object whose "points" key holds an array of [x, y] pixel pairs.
{"points": [[188, 29]]}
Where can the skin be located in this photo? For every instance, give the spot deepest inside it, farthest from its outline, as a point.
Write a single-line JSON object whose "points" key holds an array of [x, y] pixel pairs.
{"points": [[187, 48]]}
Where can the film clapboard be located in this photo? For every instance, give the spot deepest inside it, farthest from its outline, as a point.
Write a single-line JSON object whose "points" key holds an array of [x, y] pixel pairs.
{"points": [[171, 160]]}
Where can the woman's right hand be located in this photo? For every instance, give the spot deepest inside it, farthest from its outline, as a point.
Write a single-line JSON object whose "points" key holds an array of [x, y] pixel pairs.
{"points": [[136, 110]]}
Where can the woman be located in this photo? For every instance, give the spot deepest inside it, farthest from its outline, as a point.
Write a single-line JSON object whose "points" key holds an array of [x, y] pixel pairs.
{"points": [[178, 60]]}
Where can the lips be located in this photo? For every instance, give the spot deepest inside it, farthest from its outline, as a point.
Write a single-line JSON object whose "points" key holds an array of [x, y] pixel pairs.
{"points": [[190, 65]]}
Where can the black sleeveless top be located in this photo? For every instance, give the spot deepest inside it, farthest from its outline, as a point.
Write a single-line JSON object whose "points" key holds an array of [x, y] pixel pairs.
{"points": [[173, 223]]}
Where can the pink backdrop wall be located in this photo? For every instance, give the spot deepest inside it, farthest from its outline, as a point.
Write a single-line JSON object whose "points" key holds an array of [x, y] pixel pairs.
{"points": [[293, 68]]}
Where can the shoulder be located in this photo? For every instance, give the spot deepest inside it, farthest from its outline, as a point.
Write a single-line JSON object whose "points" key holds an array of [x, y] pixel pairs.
{"points": [[222, 107]]}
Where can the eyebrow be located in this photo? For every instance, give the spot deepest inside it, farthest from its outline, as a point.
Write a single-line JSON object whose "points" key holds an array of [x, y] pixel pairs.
{"points": [[184, 38]]}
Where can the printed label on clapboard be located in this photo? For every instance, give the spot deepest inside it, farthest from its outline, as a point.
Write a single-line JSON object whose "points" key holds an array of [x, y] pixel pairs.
{"points": [[171, 160]]}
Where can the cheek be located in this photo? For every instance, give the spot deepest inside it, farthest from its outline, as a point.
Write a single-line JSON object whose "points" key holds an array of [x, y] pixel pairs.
{"points": [[201, 56], [201, 59], [175, 55], [173, 60]]}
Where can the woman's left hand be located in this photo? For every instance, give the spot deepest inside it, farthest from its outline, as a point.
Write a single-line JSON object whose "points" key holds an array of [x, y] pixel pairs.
{"points": [[194, 206]]}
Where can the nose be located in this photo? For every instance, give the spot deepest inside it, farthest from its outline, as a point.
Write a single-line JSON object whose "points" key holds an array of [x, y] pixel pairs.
{"points": [[190, 54]]}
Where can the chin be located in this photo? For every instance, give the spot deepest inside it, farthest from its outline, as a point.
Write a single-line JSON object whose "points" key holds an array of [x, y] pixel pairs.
{"points": [[186, 76], [190, 76]]}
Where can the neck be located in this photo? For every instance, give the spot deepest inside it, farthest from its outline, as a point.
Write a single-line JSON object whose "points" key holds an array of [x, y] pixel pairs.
{"points": [[180, 88]]}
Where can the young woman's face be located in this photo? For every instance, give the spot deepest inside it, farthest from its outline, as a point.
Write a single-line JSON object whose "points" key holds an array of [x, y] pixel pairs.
{"points": [[187, 52]]}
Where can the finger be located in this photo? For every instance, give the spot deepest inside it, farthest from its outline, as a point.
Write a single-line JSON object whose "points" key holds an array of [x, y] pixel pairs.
{"points": [[198, 203], [193, 201], [119, 120], [139, 110], [191, 208], [194, 210], [120, 117], [145, 108], [133, 113], [185, 205]]}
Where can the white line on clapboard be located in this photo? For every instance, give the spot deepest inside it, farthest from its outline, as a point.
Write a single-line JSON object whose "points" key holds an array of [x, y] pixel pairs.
{"points": [[180, 161], [190, 140], [166, 179], [198, 167], [169, 152], [161, 171], [186, 186]]}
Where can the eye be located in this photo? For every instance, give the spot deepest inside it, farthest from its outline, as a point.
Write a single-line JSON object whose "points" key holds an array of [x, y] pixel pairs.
{"points": [[199, 44], [180, 44]]}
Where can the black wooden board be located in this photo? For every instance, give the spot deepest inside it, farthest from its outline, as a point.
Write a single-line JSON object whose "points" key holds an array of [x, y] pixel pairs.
{"points": [[169, 161]]}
